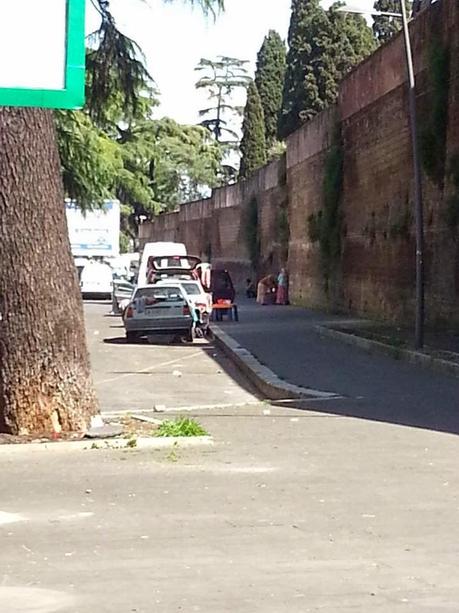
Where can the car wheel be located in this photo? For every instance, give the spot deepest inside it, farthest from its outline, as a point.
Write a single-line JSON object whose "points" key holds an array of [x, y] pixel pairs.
{"points": [[131, 337]]}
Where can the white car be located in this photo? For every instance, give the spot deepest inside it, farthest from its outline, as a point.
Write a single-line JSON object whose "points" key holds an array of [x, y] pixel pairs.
{"points": [[159, 309], [196, 296], [96, 280]]}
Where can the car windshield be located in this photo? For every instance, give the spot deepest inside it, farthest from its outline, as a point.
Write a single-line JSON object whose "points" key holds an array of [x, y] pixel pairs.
{"points": [[168, 294], [192, 289]]}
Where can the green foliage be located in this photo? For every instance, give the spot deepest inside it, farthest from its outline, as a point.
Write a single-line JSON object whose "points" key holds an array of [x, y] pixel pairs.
{"points": [[115, 63], [269, 79], [433, 133], [181, 427], [125, 243], [323, 47], [114, 149], [91, 161], [150, 165], [166, 163], [222, 77], [325, 226], [115, 69], [385, 27], [277, 150], [252, 235], [452, 209], [253, 144], [283, 229]]}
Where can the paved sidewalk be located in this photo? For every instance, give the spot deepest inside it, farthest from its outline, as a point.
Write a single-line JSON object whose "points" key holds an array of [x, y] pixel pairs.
{"points": [[290, 512], [375, 387]]}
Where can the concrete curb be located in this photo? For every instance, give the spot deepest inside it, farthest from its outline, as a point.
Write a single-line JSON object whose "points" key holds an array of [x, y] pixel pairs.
{"points": [[399, 353], [142, 442], [265, 380]]}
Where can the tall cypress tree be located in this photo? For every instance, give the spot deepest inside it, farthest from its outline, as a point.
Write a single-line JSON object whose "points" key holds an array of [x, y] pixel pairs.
{"points": [[253, 144], [269, 79], [323, 46], [385, 27]]}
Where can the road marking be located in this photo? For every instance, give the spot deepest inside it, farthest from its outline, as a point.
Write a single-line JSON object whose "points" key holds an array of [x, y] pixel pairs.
{"points": [[149, 368], [177, 409]]}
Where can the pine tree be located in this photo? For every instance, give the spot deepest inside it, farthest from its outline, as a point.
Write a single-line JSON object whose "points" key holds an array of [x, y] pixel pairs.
{"points": [[253, 144], [269, 79], [323, 46], [385, 27]]}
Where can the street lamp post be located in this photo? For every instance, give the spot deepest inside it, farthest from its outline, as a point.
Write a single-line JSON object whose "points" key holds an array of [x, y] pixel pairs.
{"points": [[419, 213]]}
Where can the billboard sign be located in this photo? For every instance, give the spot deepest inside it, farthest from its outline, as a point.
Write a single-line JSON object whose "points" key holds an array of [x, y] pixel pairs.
{"points": [[42, 44], [94, 233]]}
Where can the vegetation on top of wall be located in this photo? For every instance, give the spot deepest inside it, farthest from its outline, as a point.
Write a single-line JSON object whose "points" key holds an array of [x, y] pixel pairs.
{"points": [[252, 234], [433, 134], [452, 209]]}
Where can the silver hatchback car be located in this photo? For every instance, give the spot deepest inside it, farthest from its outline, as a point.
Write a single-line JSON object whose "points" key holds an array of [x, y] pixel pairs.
{"points": [[158, 309]]}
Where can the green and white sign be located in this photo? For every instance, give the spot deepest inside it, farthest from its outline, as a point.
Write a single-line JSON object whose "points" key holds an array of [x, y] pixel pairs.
{"points": [[42, 46]]}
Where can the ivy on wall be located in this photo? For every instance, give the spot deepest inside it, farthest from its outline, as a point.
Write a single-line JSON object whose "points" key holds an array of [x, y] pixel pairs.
{"points": [[252, 234], [326, 225], [283, 230], [433, 133]]}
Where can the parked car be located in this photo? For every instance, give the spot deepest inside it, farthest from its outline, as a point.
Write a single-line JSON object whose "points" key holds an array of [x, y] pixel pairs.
{"points": [[96, 280], [159, 309], [199, 300], [157, 249]]}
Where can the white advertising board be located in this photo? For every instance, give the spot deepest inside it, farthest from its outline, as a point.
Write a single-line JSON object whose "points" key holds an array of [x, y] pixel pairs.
{"points": [[42, 45], [94, 233], [38, 46]]}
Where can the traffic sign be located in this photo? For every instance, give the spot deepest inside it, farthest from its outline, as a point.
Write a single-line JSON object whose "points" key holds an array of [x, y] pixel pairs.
{"points": [[42, 46]]}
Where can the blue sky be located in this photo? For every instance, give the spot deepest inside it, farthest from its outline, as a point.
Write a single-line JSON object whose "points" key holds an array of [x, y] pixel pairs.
{"points": [[174, 38]]}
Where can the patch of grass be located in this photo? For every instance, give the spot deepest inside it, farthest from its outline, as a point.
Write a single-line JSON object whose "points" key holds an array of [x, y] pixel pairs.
{"points": [[181, 427], [132, 442]]}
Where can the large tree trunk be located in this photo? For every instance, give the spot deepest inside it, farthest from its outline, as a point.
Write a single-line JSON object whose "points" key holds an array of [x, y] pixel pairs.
{"points": [[45, 382]]}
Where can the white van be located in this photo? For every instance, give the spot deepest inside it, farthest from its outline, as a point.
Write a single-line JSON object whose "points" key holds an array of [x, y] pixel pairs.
{"points": [[157, 250], [96, 280]]}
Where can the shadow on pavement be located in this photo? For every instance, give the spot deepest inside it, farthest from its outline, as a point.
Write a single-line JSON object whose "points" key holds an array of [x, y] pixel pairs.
{"points": [[372, 386]]}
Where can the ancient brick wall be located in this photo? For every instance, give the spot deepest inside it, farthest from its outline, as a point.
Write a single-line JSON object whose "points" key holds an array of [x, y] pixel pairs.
{"points": [[215, 228], [374, 274]]}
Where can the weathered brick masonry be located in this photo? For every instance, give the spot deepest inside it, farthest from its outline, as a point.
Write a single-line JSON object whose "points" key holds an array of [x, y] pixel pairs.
{"points": [[375, 272]]}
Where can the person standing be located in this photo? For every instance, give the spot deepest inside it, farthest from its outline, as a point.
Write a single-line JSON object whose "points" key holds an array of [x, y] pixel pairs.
{"points": [[282, 287], [266, 290]]}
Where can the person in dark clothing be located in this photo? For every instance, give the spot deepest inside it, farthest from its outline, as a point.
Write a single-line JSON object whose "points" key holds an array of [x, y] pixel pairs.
{"points": [[250, 290]]}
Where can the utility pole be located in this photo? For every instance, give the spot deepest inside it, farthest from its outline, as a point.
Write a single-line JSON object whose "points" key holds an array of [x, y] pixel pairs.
{"points": [[418, 204]]}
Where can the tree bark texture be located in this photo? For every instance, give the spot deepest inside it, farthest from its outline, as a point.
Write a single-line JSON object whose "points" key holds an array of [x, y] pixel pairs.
{"points": [[45, 382]]}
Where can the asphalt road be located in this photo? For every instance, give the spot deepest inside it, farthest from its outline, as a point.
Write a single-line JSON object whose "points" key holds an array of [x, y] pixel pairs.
{"points": [[374, 387], [290, 512], [132, 377]]}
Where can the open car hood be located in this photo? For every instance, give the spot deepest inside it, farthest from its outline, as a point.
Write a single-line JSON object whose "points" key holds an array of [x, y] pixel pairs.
{"points": [[173, 263]]}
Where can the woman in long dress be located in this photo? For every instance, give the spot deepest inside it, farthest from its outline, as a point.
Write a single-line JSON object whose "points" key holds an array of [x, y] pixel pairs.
{"points": [[282, 287]]}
